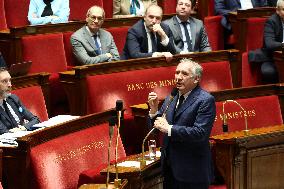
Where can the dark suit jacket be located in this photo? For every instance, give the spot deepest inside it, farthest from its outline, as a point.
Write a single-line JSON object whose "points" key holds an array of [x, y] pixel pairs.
{"points": [[188, 146], [272, 39], [2, 61], [21, 111], [199, 36], [136, 45], [223, 7]]}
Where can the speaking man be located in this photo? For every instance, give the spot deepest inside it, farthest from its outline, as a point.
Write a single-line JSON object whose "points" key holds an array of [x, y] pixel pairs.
{"points": [[187, 123]]}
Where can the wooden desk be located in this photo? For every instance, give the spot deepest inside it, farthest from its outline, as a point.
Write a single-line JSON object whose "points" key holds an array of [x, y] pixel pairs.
{"points": [[148, 177], [238, 21], [103, 186], [251, 161]]}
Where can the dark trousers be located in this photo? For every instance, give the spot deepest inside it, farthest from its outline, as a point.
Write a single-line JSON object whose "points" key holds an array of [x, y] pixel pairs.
{"points": [[269, 73], [171, 183]]}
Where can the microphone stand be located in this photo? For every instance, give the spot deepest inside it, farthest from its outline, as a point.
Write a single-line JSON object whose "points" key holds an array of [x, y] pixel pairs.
{"points": [[246, 131], [111, 125], [117, 182]]}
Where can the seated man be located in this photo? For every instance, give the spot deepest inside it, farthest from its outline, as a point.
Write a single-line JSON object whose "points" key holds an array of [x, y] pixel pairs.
{"points": [[189, 33], [48, 11], [91, 44], [149, 37], [13, 115], [273, 40], [223, 7]]}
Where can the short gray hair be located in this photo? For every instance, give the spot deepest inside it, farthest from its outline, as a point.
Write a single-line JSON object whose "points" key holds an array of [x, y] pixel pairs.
{"points": [[95, 7], [195, 68], [279, 2]]}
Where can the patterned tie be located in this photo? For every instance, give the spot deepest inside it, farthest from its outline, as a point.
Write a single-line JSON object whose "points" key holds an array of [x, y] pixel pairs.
{"points": [[98, 50], [188, 40]]}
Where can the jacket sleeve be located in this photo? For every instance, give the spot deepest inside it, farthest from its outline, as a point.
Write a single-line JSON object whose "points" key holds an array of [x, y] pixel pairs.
{"points": [[270, 41]]}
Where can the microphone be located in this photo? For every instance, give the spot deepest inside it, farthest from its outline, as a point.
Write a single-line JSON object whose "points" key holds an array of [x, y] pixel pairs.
{"points": [[225, 123], [173, 94], [111, 122], [119, 108]]}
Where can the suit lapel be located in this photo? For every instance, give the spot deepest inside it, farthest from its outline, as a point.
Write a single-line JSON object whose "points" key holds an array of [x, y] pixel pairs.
{"points": [[177, 27], [103, 41], [171, 110], [189, 100], [89, 38], [2, 111]]}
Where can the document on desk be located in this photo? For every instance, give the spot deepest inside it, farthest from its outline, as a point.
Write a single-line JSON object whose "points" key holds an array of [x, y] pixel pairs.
{"points": [[9, 139], [135, 164], [55, 121]]}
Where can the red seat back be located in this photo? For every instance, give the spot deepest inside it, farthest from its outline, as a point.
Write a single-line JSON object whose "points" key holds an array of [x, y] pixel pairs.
{"points": [[33, 100], [255, 39], [16, 12], [70, 58], [259, 114], [3, 23], [108, 7], [119, 35], [45, 51], [133, 87], [251, 74], [216, 76], [215, 32], [78, 9], [57, 163], [169, 6]]}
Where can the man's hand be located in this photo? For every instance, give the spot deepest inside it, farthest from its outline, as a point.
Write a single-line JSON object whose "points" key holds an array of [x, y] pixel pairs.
{"points": [[168, 56], [153, 102], [109, 55], [159, 30], [19, 128], [161, 124]]}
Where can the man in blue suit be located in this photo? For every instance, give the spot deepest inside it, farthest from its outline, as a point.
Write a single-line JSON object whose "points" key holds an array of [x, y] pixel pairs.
{"points": [[223, 7], [149, 37], [187, 123]]}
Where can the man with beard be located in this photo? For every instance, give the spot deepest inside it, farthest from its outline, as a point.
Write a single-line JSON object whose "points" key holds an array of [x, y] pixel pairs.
{"points": [[187, 123], [149, 37], [91, 44], [13, 115], [189, 33]]}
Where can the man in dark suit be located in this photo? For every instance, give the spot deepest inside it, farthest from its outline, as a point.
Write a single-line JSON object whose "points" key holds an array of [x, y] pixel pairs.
{"points": [[91, 44], [149, 37], [13, 115], [189, 33], [223, 7], [273, 40], [187, 123]]}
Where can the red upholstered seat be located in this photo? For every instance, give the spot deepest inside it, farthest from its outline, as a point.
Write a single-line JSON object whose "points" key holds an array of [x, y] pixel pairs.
{"points": [[58, 162], [3, 23], [216, 76], [119, 35], [33, 99], [47, 55], [215, 32], [70, 58], [251, 74], [255, 39], [108, 7], [259, 114], [169, 6], [16, 12], [78, 9]]}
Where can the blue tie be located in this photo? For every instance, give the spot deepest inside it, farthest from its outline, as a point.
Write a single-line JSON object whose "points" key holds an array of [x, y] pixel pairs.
{"points": [[98, 51]]}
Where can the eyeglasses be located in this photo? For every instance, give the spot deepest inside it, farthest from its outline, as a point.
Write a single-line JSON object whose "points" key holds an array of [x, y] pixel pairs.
{"points": [[94, 18]]}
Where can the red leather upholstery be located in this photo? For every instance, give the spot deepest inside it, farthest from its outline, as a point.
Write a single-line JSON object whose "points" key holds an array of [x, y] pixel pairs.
{"points": [[169, 6], [215, 32], [70, 58], [251, 74], [133, 86], [33, 99], [3, 24], [79, 8], [119, 35], [16, 12], [217, 187], [47, 55], [255, 39], [216, 76], [259, 114], [108, 7], [58, 162]]}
